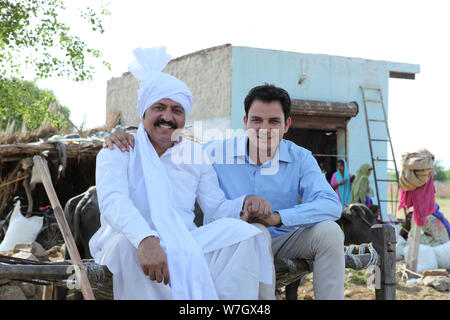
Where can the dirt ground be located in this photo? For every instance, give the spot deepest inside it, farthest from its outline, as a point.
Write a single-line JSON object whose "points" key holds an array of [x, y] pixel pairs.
{"points": [[355, 288]]}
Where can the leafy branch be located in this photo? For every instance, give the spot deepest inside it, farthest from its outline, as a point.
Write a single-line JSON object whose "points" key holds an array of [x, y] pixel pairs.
{"points": [[32, 34]]}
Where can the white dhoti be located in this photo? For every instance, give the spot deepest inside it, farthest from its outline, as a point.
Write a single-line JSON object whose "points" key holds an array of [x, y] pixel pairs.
{"points": [[237, 269]]}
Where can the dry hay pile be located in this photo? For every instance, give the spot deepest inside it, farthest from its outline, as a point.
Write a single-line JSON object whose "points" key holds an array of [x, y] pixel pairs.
{"points": [[71, 162]]}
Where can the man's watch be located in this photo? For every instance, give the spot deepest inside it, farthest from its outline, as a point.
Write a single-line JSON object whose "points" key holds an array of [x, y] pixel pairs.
{"points": [[281, 223]]}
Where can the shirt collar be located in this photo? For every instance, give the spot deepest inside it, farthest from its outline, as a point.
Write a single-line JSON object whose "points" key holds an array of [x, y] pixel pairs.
{"points": [[283, 150]]}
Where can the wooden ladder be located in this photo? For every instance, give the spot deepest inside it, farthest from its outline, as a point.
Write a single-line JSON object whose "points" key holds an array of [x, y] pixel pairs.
{"points": [[379, 102]]}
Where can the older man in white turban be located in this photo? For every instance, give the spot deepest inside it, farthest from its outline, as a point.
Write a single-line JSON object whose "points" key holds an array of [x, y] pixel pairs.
{"points": [[147, 236]]}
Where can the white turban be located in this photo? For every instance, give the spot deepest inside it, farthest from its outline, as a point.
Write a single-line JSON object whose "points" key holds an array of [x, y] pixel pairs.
{"points": [[155, 84]]}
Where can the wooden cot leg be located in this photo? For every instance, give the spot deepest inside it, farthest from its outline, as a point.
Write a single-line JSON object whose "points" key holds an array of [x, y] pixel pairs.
{"points": [[47, 293], [291, 290], [383, 240]]}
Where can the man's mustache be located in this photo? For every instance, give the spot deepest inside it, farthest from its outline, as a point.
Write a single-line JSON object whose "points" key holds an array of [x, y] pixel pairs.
{"points": [[159, 122]]}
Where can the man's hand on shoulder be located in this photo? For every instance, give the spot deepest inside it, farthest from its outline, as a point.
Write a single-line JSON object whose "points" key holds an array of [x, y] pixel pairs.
{"points": [[153, 260], [123, 140]]}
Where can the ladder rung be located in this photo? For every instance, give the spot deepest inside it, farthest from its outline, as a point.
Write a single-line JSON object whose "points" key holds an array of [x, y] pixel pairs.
{"points": [[383, 140], [375, 159], [384, 180], [373, 101], [375, 120], [369, 88]]}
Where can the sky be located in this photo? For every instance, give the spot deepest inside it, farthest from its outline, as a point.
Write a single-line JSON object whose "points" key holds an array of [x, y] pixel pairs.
{"points": [[414, 32]]}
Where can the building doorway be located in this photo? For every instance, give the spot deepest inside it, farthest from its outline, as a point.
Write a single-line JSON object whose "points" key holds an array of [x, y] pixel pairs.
{"points": [[322, 144]]}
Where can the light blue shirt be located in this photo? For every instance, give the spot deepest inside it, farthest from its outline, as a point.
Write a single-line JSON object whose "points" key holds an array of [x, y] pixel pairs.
{"points": [[297, 175]]}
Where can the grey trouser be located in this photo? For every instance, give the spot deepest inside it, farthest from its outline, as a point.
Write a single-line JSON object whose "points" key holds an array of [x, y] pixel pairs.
{"points": [[324, 244]]}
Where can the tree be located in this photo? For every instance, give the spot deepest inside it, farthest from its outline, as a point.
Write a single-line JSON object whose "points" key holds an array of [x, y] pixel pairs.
{"points": [[32, 34], [22, 102], [441, 174]]}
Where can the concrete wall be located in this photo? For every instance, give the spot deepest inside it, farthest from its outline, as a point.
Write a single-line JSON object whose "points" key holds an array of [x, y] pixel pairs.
{"points": [[329, 78], [208, 76], [341, 143], [121, 94]]}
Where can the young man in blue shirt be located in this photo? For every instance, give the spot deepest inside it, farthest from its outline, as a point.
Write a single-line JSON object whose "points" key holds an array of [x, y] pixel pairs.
{"points": [[262, 163]]}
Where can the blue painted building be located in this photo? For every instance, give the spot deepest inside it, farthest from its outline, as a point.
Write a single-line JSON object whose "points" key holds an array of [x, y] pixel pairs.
{"points": [[328, 109]]}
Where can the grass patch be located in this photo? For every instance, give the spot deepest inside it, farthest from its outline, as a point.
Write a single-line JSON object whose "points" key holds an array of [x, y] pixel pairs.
{"points": [[355, 276], [444, 204]]}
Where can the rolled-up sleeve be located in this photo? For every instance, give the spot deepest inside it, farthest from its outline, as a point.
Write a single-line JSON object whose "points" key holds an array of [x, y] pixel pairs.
{"points": [[319, 201], [114, 201]]}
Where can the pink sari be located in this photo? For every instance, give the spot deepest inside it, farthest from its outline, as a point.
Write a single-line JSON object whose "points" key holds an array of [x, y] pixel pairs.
{"points": [[334, 181]]}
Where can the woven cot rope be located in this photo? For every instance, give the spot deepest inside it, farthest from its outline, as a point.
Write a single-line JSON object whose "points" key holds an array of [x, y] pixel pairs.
{"points": [[356, 260], [362, 249]]}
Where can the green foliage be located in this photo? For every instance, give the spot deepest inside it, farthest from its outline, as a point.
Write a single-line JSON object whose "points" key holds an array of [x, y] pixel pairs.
{"points": [[392, 175], [32, 34], [441, 173], [356, 276], [22, 101], [444, 204]]}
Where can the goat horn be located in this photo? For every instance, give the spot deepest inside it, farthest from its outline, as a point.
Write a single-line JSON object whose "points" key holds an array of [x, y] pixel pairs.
{"points": [[359, 211]]}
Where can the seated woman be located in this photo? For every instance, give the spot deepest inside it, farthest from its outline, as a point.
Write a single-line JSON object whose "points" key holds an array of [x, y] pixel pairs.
{"points": [[340, 182], [435, 232]]}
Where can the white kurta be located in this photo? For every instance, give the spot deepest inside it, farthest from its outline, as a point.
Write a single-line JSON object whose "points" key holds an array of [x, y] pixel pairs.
{"points": [[236, 252]]}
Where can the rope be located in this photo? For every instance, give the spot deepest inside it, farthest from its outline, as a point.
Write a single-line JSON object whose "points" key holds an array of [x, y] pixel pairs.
{"points": [[362, 250], [356, 260], [373, 255]]}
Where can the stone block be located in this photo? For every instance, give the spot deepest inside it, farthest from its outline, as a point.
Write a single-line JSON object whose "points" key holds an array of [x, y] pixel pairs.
{"points": [[25, 255], [440, 283], [33, 247], [28, 289], [11, 293]]}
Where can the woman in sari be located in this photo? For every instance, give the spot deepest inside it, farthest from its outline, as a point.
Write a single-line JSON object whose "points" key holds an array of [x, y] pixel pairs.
{"points": [[361, 191], [340, 182]]}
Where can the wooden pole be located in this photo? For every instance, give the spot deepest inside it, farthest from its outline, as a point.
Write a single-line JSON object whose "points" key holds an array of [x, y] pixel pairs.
{"points": [[383, 240], [413, 245], [80, 272]]}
